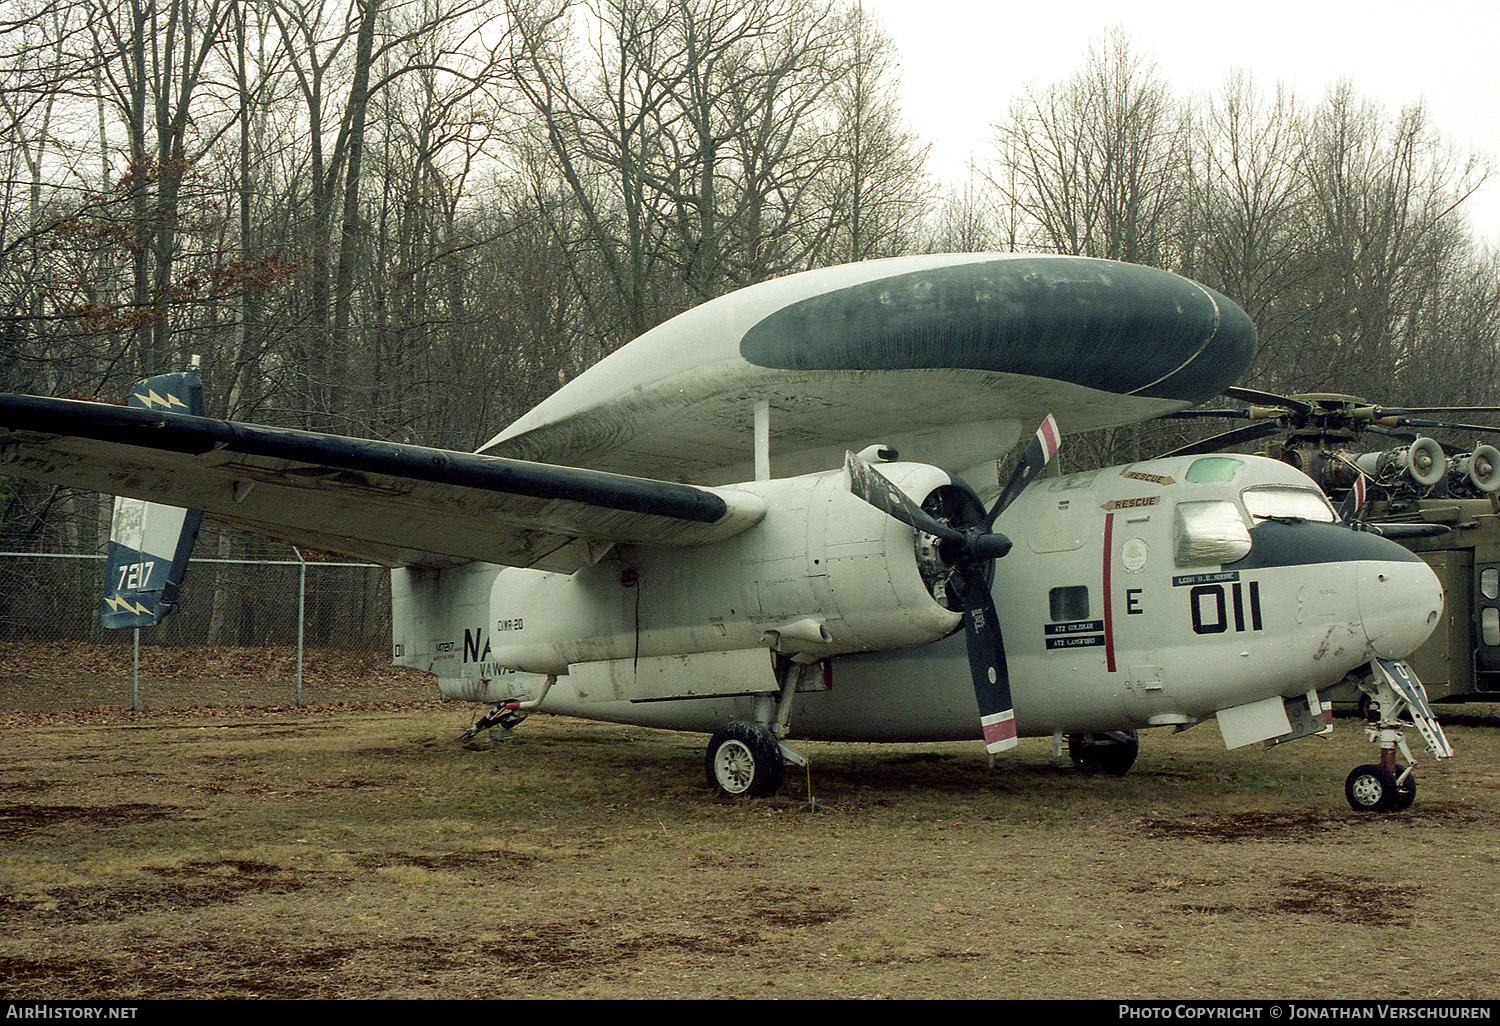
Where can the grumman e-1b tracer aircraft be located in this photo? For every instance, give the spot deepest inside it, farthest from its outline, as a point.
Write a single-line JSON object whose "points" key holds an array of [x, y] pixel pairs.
{"points": [[624, 552]]}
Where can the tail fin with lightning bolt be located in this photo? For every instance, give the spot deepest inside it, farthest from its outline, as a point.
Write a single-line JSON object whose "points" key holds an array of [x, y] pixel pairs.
{"points": [[149, 544]]}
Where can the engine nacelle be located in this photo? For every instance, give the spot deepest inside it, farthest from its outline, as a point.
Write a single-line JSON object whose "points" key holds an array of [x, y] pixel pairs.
{"points": [[1477, 472], [823, 573], [1422, 463]]}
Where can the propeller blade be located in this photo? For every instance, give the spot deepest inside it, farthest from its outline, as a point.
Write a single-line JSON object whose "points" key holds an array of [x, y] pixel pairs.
{"points": [[987, 665], [1044, 445], [879, 491], [1214, 443], [1355, 500]]}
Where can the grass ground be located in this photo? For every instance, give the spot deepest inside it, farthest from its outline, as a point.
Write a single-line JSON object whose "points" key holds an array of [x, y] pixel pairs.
{"points": [[354, 848]]}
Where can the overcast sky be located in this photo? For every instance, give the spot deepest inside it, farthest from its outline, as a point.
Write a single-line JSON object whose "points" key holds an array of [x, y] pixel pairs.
{"points": [[963, 60]]}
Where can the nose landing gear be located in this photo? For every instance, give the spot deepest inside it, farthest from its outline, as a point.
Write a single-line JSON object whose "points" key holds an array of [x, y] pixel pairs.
{"points": [[1394, 692], [1377, 789]]}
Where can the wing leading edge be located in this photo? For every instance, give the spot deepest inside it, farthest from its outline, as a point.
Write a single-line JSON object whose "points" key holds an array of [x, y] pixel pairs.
{"points": [[384, 501]]}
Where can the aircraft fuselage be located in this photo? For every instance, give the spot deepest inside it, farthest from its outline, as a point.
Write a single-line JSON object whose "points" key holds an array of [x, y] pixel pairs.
{"points": [[1155, 594]]}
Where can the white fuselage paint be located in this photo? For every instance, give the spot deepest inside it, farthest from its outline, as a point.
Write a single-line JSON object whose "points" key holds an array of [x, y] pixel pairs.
{"points": [[1104, 626]]}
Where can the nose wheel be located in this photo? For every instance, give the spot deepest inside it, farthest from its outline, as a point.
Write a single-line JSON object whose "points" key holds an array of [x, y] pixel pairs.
{"points": [[1396, 699], [1377, 789]]}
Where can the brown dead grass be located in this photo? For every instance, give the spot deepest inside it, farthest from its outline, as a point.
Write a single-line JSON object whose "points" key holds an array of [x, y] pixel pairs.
{"points": [[358, 850], [48, 677]]}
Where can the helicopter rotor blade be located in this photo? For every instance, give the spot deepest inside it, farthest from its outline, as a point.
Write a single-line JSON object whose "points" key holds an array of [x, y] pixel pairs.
{"points": [[1416, 422], [1215, 443], [1208, 414], [1401, 411], [1255, 395]]}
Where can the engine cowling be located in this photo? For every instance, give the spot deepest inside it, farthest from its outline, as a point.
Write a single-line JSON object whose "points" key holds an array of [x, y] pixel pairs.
{"points": [[823, 573]]}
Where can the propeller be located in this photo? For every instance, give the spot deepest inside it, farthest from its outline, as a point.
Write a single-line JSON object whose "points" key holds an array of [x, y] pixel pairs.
{"points": [[1354, 502], [970, 550]]}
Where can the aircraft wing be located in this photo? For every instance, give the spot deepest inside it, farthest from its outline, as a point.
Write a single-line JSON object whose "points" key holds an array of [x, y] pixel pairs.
{"points": [[386, 502]]}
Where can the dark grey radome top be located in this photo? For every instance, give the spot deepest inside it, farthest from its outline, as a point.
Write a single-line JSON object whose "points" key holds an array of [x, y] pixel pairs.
{"points": [[1119, 327], [949, 357]]}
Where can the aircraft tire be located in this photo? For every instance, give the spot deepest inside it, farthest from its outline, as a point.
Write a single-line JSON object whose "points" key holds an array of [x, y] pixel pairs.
{"points": [[1111, 754], [1406, 793], [743, 761], [1373, 789]]}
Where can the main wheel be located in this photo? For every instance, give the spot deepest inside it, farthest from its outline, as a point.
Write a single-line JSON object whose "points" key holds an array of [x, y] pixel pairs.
{"points": [[743, 761], [1113, 753], [1373, 789]]}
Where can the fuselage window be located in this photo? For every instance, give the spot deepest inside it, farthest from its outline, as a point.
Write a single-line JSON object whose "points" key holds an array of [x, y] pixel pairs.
{"points": [[1068, 603], [1287, 501], [1209, 533], [1489, 582]]}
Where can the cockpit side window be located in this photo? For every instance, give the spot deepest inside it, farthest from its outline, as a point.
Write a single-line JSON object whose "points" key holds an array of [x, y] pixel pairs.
{"points": [[1267, 502], [1209, 533]]}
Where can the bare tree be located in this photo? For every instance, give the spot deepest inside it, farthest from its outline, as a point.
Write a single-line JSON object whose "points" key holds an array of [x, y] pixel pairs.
{"points": [[154, 57], [881, 194], [707, 144], [1383, 200], [1094, 162], [1246, 224]]}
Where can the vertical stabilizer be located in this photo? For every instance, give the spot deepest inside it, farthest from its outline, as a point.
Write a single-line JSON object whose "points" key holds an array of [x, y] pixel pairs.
{"points": [[149, 544]]}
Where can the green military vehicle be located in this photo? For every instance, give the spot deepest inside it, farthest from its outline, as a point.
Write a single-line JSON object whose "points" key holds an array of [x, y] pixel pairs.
{"points": [[1442, 502], [1461, 661]]}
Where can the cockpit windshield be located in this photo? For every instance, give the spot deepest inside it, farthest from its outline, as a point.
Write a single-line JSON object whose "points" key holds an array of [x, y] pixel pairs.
{"points": [[1209, 533], [1286, 502]]}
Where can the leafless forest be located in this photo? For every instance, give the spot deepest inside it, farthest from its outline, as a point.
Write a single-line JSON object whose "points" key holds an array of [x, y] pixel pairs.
{"points": [[412, 219]]}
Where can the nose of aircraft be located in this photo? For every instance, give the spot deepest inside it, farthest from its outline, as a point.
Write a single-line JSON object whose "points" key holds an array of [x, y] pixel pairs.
{"points": [[1398, 598], [1400, 603]]}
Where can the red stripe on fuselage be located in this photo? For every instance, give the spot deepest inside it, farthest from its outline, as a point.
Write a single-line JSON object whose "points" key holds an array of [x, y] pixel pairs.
{"points": [[1109, 620]]}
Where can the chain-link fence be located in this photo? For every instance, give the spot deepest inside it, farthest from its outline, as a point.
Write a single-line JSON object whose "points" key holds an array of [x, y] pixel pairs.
{"points": [[245, 631]]}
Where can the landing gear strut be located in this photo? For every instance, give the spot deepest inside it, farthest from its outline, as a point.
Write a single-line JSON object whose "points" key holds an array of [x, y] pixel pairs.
{"points": [[745, 759], [1111, 753], [1393, 692]]}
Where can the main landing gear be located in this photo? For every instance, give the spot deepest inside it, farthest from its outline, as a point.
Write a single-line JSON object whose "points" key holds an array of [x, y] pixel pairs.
{"points": [[1111, 753], [746, 758], [1393, 693]]}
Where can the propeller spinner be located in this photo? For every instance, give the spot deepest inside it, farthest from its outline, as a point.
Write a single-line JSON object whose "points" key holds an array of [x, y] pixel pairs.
{"points": [[970, 549]]}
